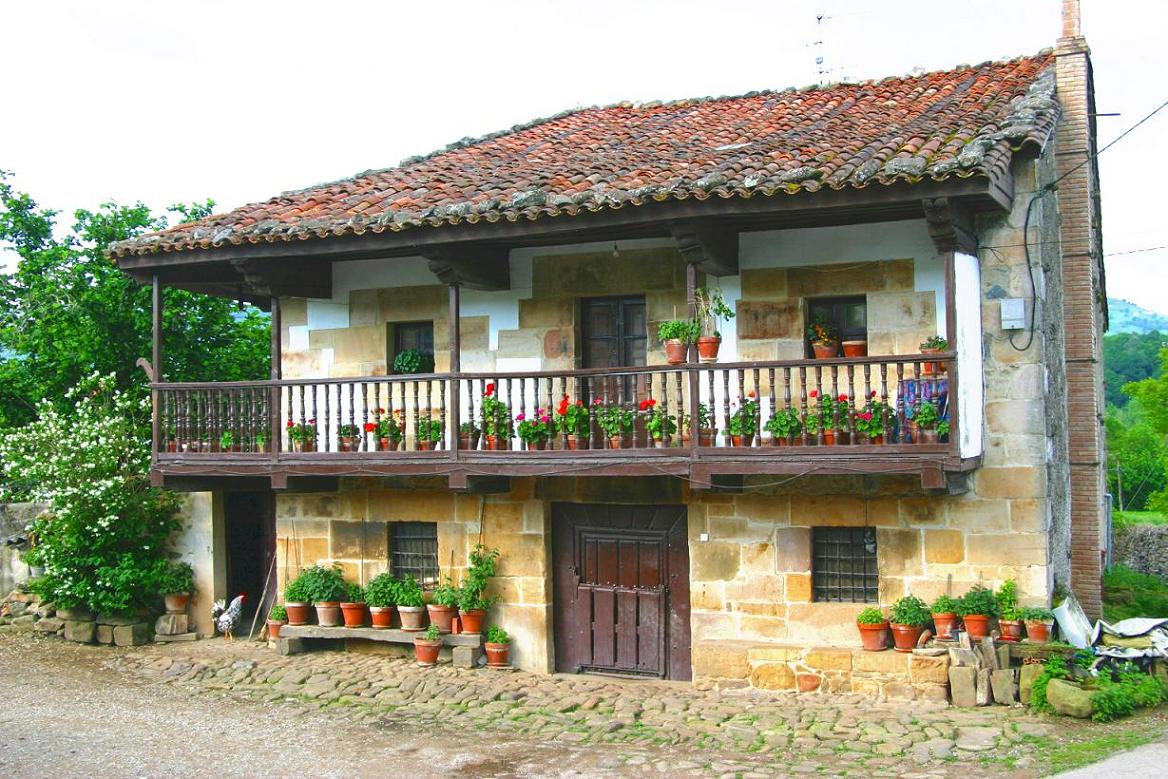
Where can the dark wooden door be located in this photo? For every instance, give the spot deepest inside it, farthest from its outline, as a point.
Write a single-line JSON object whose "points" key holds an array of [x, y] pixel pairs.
{"points": [[621, 589], [613, 335], [250, 519]]}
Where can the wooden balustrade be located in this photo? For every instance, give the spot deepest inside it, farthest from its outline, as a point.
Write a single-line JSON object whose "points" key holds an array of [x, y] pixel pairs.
{"points": [[657, 407]]}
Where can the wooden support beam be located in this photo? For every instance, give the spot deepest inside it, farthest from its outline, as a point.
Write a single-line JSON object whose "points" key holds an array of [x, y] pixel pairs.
{"points": [[306, 278], [950, 225], [156, 364], [709, 246], [474, 266]]}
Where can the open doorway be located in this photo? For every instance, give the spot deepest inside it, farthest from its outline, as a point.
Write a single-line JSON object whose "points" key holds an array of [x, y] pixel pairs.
{"points": [[250, 519]]}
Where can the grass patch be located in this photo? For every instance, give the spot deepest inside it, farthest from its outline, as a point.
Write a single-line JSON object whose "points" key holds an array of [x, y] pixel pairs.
{"points": [[1121, 519], [1128, 593], [1075, 754]]}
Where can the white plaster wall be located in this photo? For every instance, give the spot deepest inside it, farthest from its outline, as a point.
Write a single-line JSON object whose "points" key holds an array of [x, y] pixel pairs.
{"points": [[971, 389], [202, 543]]}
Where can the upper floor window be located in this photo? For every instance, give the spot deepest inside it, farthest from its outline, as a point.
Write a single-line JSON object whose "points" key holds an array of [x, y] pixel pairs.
{"points": [[412, 335], [848, 315]]}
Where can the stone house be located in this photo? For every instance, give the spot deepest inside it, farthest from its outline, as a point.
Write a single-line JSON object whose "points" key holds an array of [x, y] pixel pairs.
{"points": [[536, 263]]}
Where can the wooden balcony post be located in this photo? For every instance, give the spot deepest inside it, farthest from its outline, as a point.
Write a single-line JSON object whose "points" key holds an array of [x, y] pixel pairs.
{"points": [[695, 392], [156, 363], [455, 368], [275, 433]]}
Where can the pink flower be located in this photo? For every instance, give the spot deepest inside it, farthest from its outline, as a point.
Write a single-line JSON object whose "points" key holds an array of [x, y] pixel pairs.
{"points": [[545, 419], [519, 417]]}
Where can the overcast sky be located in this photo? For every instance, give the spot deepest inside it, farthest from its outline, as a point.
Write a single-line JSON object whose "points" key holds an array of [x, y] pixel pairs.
{"points": [[178, 101]]}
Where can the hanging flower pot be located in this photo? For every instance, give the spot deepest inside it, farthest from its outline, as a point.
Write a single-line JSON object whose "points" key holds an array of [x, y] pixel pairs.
{"points": [[675, 351], [708, 346], [855, 348]]}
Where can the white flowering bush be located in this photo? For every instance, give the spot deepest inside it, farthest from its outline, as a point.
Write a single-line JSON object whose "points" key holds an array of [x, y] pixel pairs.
{"points": [[103, 544]]}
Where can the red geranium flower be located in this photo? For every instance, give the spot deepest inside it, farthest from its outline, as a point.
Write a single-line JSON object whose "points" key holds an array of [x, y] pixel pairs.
{"points": [[370, 427], [312, 421], [842, 398], [289, 423], [873, 394], [563, 407], [814, 393], [490, 390], [580, 404], [380, 411]]}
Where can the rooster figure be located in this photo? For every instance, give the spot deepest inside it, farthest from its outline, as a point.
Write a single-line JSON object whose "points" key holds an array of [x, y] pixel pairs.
{"points": [[227, 618]]}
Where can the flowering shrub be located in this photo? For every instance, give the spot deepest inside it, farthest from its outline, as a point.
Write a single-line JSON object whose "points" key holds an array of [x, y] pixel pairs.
{"points": [[820, 331], [103, 544]]}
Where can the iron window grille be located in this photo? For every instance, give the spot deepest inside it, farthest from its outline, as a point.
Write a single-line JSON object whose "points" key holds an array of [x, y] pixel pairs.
{"points": [[843, 565], [413, 550]]}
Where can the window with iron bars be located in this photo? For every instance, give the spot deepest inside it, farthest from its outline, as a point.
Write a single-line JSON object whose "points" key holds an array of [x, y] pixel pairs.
{"points": [[413, 550], [843, 565]]}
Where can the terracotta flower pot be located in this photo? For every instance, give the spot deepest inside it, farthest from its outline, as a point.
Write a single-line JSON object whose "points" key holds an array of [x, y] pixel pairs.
{"points": [[574, 442], [944, 623], [426, 652], [498, 442], [739, 440], [905, 636], [619, 441], [381, 616], [328, 614], [176, 602], [355, 614], [413, 618], [298, 613], [425, 445], [274, 626], [926, 436], [387, 445], [172, 446], [825, 351], [498, 655], [928, 368], [708, 346], [855, 348], [441, 616], [675, 351], [874, 638], [978, 626], [348, 444], [1011, 630], [829, 438], [535, 446], [472, 621], [660, 443], [780, 440], [1038, 630], [304, 446]]}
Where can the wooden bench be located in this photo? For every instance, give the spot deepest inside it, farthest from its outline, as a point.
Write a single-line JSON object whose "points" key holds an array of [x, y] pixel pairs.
{"points": [[466, 648]]}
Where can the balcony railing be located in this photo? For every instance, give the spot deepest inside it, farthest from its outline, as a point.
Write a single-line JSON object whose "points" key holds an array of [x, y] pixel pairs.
{"points": [[447, 417]]}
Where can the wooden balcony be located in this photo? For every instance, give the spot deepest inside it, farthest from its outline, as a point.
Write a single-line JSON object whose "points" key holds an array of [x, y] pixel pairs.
{"points": [[324, 427]]}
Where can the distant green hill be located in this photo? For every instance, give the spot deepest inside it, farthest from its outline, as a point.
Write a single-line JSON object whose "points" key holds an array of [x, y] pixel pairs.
{"points": [[1125, 317]]}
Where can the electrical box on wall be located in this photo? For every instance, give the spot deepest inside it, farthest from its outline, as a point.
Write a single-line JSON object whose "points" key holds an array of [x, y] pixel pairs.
{"points": [[1013, 313]]}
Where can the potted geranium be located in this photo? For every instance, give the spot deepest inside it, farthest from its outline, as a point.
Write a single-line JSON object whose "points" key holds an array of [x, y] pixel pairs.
{"points": [[1009, 615], [413, 361], [975, 609], [712, 310], [176, 582], [677, 335], [873, 629], [870, 421], [660, 426], [496, 420], [277, 618], [784, 427], [826, 415], [944, 613], [498, 648], [926, 416], [472, 605], [227, 442], [381, 595], [302, 435], [908, 616], [427, 646], [572, 423], [824, 337], [297, 601], [353, 606], [468, 436], [706, 429], [617, 424], [388, 429], [349, 436], [742, 425], [813, 423], [443, 605], [933, 345], [1039, 621], [536, 430], [326, 589], [411, 604], [428, 433]]}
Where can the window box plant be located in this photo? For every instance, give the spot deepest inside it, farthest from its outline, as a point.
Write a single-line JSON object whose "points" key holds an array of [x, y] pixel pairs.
{"points": [[944, 612], [326, 589], [277, 618], [428, 433], [176, 584], [297, 601], [660, 426], [975, 609], [936, 344], [353, 607], [381, 596], [784, 427], [443, 606], [927, 417], [411, 604], [468, 436], [677, 335], [572, 421], [536, 431], [1009, 615], [348, 436], [302, 435], [496, 420], [908, 616], [873, 629], [742, 426], [706, 429], [712, 311], [824, 337], [427, 646], [498, 648], [617, 424], [1038, 621], [413, 361]]}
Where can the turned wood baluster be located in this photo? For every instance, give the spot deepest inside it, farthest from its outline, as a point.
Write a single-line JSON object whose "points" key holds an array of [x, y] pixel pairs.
{"points": [[683, 415], [898, 398], [442, 415], [362, 436], [803, 398], [725, 405], [818, 398], [835, 393], [774, 399], [413, 384], [316, 420]]}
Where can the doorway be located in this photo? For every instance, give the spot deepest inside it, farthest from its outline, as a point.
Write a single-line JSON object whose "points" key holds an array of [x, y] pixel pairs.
{"points": [[250, 520], [621, 590]]}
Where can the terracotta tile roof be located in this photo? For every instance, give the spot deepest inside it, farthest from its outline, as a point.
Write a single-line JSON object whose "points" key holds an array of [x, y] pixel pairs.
{"points": [[962, 122]]}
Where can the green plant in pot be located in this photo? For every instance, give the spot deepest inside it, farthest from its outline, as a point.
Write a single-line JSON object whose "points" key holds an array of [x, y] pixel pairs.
{"points": [[677, 335], [712, 311], [472, 604], [1038, 620], [742, 425], [443, 605], [944, 612], [784, 427], [349, 437], [909, 616], [277, 618], [427, 646], [176, 583], [573, 422], [468, 435], [353, 607], [413, 361], [706, 430], [873, 629], [616, 422], [975, 608], [935, 344], [823, 336], [926, 416], [1009, 614], [381, 595], [326, 588], [429, 433], [498, 648], [496, 419], [411, 604], [297, 601]]}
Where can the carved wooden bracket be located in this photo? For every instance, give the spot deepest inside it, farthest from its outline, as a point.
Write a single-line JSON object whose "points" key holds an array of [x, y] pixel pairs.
{"points": [[950, 226], [145, 365], [481, 266], [286, 278], [711, 248]]}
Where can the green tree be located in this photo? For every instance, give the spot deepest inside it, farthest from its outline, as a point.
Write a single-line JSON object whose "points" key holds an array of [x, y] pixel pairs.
{"points": [[1129, 357], [67, 312], [1136, 455]]}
